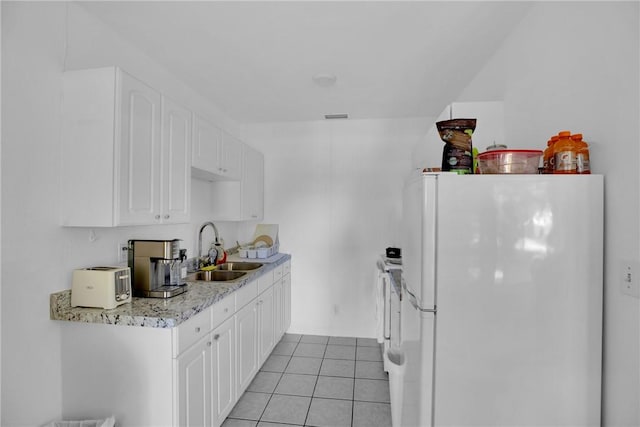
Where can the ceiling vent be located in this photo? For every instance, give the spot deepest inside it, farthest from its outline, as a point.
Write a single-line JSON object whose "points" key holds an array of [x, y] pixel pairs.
{"points": [[336, 116]]}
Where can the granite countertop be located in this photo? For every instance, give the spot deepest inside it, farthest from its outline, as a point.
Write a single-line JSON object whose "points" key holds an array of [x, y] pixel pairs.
{"points": [[158, 312]]}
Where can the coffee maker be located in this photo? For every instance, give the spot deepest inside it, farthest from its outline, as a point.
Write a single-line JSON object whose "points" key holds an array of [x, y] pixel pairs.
{"points": [[151, 263]]}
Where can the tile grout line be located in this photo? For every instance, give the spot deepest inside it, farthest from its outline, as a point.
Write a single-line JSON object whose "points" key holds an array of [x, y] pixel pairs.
{"points": [[323, 358], [306, 418], [353, 393], [276, 386]]}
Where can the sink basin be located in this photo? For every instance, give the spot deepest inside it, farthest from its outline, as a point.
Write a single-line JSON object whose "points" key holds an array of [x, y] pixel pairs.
{"points": [[239, 266], [218, 276]]}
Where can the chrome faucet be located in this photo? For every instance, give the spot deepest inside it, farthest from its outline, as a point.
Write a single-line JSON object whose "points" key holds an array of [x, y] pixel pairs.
{"points": [[215, 230]]}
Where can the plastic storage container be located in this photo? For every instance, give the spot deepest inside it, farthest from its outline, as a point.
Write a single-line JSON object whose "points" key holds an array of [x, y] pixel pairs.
{"points": [[509, 162]]}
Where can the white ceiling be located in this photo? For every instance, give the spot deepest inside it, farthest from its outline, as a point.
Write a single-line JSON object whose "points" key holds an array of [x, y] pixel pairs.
{"points": [[256, 60]]}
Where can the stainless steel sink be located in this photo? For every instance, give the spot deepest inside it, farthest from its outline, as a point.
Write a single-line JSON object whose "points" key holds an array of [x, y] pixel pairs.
{"points": [[239, 266], [218, 275]]}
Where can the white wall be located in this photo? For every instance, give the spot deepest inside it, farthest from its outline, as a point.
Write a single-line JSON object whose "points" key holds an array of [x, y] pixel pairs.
{"points": [[0, 222], [334, 188], [575, 66], [38, 254], [31, 245]]}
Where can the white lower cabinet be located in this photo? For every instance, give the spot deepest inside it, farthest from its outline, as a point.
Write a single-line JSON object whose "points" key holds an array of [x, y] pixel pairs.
{"points": [[206, 380], [247, 346], [194, 385], [278, 313], [266, 322], [190, 375], [223, 363], [286, 298]]}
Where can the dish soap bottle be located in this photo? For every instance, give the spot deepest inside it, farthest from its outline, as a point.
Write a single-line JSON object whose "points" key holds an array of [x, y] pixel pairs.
{"points": [[221, 257]]}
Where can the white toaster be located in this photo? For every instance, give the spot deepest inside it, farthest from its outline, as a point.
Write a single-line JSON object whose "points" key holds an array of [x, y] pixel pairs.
{"points": [[104, 287]]}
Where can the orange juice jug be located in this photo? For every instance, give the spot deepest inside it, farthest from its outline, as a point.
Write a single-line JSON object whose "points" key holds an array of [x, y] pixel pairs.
{"points": [[583, 166], [565, 153], [548, 159]]}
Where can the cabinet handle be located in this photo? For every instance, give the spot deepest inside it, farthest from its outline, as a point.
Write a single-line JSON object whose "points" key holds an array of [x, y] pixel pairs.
{"points": [[208, 343], [198, 330], [157, 216], [166, 217], [216, 337]]}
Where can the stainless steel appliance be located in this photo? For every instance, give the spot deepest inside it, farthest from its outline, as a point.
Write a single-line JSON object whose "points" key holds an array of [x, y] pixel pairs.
{"points": [[151, 263], [101, 287]]}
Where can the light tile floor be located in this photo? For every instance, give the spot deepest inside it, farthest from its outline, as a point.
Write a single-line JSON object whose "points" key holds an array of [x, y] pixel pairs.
{"points": [[311, 380]]}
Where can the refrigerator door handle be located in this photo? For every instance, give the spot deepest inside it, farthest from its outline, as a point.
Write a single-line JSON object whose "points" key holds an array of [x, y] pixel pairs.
{"points": [[414, 301]]}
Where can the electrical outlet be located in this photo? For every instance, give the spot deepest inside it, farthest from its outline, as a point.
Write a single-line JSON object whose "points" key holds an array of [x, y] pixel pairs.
{"points": [[123, 253], [629, 280]]}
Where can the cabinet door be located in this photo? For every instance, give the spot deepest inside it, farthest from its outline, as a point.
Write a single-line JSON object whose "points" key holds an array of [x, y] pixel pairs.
{"points": [[231, 158], [223, 370], [176, 163], [266, 324], [246, 346], [242, 200], [253, 185], [194, 384], [139, 152], [278, 310], [286, 294], [205, 148]]}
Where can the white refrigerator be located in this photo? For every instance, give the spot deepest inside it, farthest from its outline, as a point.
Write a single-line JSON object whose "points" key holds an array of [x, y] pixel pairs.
{"points": [[502, 301]]}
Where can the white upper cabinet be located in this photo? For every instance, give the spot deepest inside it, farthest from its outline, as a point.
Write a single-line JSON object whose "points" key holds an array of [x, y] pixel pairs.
{"points": [[241, 200], [139, 146], [176, 162], [123, 155], [252, 185], [231, 157], [217, 155], [207, 139]]}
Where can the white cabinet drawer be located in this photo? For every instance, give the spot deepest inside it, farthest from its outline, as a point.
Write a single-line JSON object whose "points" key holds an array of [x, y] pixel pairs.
{"points": [[222, 310], [188, 333], [246, 294]]}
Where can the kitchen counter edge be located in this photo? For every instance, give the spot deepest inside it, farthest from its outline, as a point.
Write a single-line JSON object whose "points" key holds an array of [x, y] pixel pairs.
{"points": [[155, 312]]}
